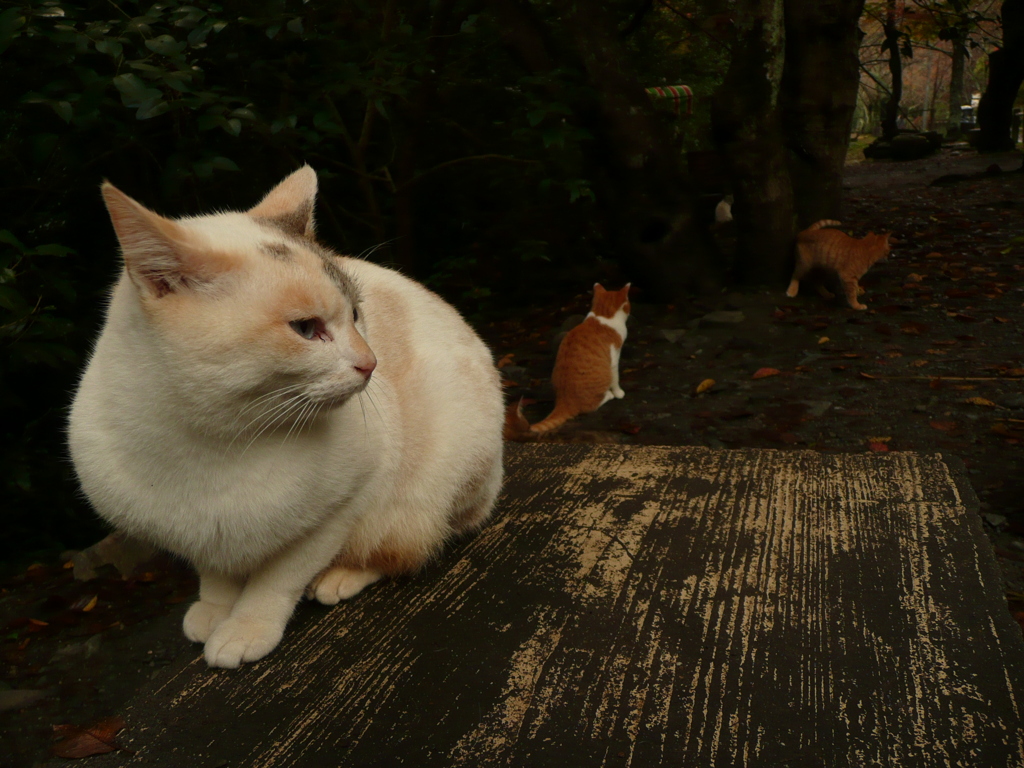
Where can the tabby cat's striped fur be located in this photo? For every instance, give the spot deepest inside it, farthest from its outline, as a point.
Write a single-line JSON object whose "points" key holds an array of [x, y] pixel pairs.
{"points": [[831, 249]]}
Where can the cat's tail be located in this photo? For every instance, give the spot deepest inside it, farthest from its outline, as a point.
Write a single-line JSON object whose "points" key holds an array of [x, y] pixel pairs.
{"points": [[518, 428], [516, 425], [823, 223], [555, 419]]}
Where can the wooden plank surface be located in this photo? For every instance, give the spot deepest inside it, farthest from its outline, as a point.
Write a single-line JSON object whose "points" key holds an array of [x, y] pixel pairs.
{"points": [[645, 606]]}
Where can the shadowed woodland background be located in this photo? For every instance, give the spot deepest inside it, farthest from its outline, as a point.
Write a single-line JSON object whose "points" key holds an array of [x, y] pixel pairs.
{"points": [[503, 152]]}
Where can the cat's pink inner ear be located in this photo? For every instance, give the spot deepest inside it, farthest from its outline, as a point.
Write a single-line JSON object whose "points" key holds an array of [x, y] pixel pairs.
{"points": [[157, 251], [289, 205]]}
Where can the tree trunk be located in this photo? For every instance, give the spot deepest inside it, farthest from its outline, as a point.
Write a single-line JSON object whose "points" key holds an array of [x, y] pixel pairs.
{"points": [[1005, 74], [892, 44], [956, 87], [747, 128], [819, 97]]}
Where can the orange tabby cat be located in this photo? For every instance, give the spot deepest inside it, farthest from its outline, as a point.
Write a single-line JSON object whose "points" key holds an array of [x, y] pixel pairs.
{"points": [[586, 374], [837, 251]]}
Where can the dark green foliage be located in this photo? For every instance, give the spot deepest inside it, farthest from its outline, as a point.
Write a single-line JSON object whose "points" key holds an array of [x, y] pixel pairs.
{"points": [[436, 150]]}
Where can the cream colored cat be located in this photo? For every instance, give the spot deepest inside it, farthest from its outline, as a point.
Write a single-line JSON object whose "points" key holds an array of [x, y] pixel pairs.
{"points": [[286, 419]]}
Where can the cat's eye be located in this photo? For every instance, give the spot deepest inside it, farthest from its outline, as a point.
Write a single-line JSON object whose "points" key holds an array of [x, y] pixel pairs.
{"points": [[305, 328]]}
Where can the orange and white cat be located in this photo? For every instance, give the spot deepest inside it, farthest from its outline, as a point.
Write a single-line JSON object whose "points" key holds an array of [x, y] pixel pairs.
{"points": [[831, 249], [289, 420], [586, 374]]}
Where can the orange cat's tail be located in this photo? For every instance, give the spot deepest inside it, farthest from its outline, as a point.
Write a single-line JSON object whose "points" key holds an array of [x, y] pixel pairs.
{"points": [[823, 223], [555, 419], [516, 425]]}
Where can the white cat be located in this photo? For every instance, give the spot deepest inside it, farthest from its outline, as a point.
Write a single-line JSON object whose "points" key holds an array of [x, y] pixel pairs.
{"points": [[286, 419]]}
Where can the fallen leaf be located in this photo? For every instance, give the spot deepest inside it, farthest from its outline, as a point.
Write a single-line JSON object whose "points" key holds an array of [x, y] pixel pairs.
{"points": [[763, 373], [933, 255], [1019, 615], [981, 401], [878, 447], [879, 439], [913, 277], [943, 426], [964, 387], [123, 552], [919, 363], [97, 739], [629, 428], [506, 360], [823, 340], [866, 375], [912, 328], [1014, 372], [1001, 319], [705, 385]]}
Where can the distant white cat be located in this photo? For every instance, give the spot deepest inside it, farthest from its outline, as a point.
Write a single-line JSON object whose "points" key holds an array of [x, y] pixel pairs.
{"points": [[286, 419]]}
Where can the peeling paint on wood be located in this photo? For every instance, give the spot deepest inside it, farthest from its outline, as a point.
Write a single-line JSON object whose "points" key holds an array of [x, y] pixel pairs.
{"points": [[646, 606]]}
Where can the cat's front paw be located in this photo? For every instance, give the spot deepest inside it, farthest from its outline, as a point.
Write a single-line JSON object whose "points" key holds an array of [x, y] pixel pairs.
{"points": [[242, 638], [339, 583], [202, 619], [619, 392], [858, 305]]}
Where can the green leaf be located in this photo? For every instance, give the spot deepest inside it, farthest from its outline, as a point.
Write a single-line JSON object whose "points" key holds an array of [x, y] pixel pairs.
{"points": [[166, 45], [109, 47], [6, 236], [224, 164], [152, 109], [244, 113], [11, 21], [295, 25], [134, 91], [144, 66], [206, 122], [552, 137], [272, 31], [535, 117], [12, 301], [53, 249], [63, 110], [232, 126]]}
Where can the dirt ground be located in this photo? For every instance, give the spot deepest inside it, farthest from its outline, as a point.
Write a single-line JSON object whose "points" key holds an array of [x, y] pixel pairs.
{"points": [[936, 363]]}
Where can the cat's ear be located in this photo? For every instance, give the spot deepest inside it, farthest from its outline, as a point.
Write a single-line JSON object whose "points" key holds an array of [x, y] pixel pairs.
{"points": [[289, 205], [599, 289], [159, 254]]}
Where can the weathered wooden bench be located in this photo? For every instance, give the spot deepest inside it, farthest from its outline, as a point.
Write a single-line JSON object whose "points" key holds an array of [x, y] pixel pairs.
{"points": [[645, 606]]}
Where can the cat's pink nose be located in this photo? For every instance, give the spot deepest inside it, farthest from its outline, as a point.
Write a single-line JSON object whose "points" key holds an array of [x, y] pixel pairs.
{"points": [[366, 367]]}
